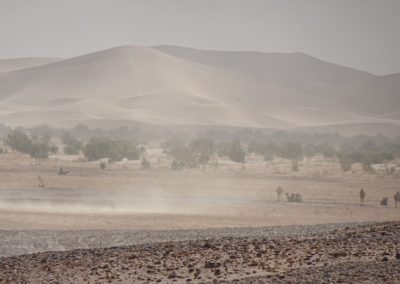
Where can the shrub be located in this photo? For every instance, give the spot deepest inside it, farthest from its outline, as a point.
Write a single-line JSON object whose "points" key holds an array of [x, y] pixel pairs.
{"points": [[145, 163], [236, 152], [347, 155], [345, 163], [177, 165], [40, 150], [267, 150], [72, 146], [18, 140], [370, 154], [123, 148], [37, 147], [324, 149], [53, 149], [73, 149], [62, 172], [268, 157], [203, 149], [98, 148], [291, 151], [199, 151], [367, 154], [171, 145], [295, 166], [233, 150], [256, 147], [223, 149], [116, 150], [103, 165]]}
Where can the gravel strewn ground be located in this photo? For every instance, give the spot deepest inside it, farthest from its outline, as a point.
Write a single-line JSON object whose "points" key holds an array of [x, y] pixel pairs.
{"points": [[19, 242], [350, 254], [347, 272]]}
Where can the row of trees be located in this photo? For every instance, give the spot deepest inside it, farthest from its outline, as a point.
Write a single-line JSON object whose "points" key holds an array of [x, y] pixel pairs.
{"points": [[367, 154], [116, 150], [199, 151], [38, 146], [287, 150]]}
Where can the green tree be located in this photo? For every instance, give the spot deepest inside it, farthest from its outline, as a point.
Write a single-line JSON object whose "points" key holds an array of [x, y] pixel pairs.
{"points": [[72, 146], [237, 152], [18, 140], [291, 150], [36, 146], [203, 149], [104, 147], [267, 150], [223, 149], [40, 150]]}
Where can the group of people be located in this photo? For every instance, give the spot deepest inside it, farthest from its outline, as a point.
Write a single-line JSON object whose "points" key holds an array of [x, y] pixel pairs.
{"points": [[291, 197], [384, 201], [296, 197]]}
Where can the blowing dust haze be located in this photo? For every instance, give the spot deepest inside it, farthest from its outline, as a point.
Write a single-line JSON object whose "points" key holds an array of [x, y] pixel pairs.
{"points": [[199, 141]]}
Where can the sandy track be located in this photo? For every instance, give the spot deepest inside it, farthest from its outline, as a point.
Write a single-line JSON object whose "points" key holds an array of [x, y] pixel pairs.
{"points": [[363, 253]]}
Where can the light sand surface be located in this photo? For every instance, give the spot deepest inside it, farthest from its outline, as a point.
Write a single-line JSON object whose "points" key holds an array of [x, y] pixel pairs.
{"points": [[148, 86], [168, 214], [127, 197], [14, 64]]}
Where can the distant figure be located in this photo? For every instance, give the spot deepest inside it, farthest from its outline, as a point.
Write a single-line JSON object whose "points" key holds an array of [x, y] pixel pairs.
{"points": [[216, 165], [61, 172], [384, 201], [298, 197], [362, 196], [279, 192], [396, 198], [294, 197], [40, 182]]}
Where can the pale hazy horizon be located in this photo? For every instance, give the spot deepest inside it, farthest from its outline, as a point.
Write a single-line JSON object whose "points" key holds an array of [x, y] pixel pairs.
{"points": [[361, 34]]}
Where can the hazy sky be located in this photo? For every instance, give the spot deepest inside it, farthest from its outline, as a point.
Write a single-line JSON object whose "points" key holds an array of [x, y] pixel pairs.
{"points": [[364, 34]]}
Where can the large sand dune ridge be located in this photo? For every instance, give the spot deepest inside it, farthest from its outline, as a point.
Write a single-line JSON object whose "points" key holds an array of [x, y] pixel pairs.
{"points": [[167, 86]]}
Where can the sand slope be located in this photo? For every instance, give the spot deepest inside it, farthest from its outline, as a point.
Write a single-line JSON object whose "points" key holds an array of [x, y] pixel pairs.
{"points": [[280, 67], [146, 85], [14, 64], [349, 87]]}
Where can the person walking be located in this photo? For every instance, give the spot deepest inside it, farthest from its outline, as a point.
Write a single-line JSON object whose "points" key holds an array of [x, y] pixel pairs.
{"points": [[362, 196], [279, 192]]}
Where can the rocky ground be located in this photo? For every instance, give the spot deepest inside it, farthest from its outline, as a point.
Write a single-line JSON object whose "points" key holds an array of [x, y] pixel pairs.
{"points": [[17, 242], [348, 254]]}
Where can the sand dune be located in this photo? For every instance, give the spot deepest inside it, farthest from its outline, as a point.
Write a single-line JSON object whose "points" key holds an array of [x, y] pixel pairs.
{"points": [[279, 67], [14, 64], [348, 87], [367, 128], [379, 95], [191, 87]]}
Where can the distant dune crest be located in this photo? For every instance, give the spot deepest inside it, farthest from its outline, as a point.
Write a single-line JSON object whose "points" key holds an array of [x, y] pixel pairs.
{"points": [[167, 86], [14, 64]]}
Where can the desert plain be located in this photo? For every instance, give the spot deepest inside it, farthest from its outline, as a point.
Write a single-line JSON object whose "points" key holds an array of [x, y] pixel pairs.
{"points": [[134, 210]]}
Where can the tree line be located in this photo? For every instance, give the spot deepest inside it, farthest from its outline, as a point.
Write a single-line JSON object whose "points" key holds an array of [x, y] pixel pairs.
{"points": [[196, 152], [40, 146], [200, 150]]}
